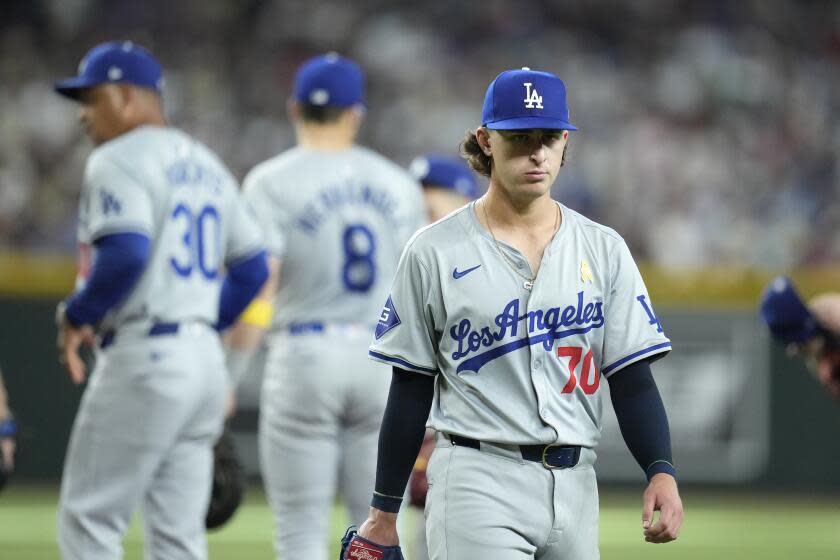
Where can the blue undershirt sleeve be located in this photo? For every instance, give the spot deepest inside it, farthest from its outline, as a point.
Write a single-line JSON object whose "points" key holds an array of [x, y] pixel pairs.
{"points": [[242, 282], [401, 435], [120, 261], [642, 418]]}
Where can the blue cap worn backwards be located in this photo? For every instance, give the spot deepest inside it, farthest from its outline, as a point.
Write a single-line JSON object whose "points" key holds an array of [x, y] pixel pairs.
{"points": [[445, 171], [330, 80], [120, 62], [523, 99]]}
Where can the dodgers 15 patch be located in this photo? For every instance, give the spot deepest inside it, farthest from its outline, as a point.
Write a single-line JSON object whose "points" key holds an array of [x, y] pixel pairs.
{"points": [[388, 319]]}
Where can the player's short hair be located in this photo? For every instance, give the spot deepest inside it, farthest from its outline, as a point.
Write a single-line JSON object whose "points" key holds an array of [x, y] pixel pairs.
{"points": [[320, 114], [481, 162]]}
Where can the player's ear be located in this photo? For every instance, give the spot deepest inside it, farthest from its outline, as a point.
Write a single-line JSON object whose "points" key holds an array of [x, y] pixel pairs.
{"points": [[126, 96], [482, 136], [354, 116]]}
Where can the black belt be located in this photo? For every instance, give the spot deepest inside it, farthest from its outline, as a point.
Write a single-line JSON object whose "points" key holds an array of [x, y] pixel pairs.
{"points": [[157, 329], [551, 456]]}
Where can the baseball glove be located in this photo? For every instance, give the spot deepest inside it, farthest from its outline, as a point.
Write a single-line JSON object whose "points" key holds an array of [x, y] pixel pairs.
{"points": [[354, 547], [228, 482], [418, 484]]}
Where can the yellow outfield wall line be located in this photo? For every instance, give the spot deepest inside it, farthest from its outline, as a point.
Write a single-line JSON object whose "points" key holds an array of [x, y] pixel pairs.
{"points": [[52, 276], [714, 287], [36, 276]]}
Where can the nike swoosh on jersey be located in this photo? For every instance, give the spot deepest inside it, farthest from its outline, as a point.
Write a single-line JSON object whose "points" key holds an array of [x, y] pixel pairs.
{"points": [[456, 274]]}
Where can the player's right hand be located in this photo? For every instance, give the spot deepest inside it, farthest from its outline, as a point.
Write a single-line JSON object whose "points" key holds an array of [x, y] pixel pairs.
{"points": [[354, 547], [380, 527], [69, 340]]}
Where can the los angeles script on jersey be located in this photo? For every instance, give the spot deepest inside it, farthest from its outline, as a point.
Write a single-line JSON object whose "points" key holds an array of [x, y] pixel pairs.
{"points": [[543, 326]]}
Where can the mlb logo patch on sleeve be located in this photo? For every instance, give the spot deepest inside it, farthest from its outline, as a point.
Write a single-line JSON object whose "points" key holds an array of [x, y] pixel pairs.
{"points": [[388, 319]]}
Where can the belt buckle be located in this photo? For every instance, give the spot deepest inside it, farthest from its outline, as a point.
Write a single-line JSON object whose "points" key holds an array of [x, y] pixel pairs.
{"points": [[544, 457]]}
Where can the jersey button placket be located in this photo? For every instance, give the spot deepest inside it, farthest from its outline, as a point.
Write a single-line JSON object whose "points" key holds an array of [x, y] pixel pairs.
{"points": [[537, 358]]}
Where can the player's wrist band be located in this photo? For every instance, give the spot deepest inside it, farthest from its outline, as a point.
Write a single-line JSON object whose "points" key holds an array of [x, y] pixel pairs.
{"points": [[390, 504], [8, 428], [259, 313], [660, 466]]}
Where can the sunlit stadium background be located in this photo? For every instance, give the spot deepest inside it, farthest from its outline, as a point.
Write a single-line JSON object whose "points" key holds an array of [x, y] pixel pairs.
{"points": [[709, 137]]}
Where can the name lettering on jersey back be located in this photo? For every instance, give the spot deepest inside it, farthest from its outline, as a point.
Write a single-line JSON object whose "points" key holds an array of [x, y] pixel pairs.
{"points": [[542, 326], [318, 210], [189, 172]]}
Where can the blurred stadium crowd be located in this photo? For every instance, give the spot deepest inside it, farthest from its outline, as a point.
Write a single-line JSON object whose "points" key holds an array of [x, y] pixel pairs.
{"points": [[709, 130]]}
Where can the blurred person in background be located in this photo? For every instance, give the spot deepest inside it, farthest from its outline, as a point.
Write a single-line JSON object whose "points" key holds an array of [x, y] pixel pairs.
{"points": [[336, 217], [810, 331], [8, 430], [168, 257], [448, 183]]}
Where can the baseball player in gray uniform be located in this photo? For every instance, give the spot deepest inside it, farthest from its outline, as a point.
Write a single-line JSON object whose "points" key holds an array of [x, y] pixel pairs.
{"points": [[336, 217], [504, 319], [168, 255]]}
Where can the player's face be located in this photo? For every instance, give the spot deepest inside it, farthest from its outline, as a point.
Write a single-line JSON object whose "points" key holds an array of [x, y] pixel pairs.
{"points": [[526, 162], [102, 112], [441, 201]]}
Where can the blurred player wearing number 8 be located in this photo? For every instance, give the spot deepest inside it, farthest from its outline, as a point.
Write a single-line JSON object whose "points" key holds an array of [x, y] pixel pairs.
{"points": [[336, 217], [502, 319]]}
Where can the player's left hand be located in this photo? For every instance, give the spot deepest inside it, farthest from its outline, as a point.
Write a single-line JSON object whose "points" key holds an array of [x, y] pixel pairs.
{"points": [[662, 495], [69, 340]]}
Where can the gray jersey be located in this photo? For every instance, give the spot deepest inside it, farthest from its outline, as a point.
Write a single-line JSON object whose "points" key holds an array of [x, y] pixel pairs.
{"points": [[338, 221], [516, 366], [165, 185]]}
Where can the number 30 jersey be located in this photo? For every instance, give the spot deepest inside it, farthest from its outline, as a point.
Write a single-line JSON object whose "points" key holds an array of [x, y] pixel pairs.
{"points": [[165, 185], [514, 364], [338, 222]]}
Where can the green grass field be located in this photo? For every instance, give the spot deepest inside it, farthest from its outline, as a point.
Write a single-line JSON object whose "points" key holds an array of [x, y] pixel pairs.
{"points": [[717, 527]]}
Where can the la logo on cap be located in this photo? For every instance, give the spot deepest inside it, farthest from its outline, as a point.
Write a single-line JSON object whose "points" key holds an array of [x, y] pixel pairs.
{"points": [[532, 97]]}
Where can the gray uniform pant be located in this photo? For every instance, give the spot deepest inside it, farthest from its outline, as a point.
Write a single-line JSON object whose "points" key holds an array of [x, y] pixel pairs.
{"points": [[144, 434], [321, 408], [492, 504]]}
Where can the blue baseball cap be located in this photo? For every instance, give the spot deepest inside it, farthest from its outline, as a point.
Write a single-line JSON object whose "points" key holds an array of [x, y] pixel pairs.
{"points": [[119, 62], [330, 80], [785, 314], [445, 171], [524, 99]]}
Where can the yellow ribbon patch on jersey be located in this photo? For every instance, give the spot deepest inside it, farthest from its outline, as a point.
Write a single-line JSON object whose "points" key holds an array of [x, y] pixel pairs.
{"points": [[585, 271]]}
